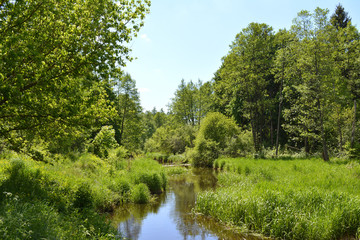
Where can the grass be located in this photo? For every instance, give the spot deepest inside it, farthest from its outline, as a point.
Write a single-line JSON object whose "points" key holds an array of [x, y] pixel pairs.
{"points": [[287, 199], [63, 200]]}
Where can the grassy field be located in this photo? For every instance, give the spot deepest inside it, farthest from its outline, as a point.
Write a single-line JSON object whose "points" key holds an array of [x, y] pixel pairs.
{"points": [[287, 199], [62, 200]]}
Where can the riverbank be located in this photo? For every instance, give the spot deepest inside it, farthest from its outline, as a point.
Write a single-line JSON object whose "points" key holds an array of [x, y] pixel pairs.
{"points": [[68, 198], [287, 199]]}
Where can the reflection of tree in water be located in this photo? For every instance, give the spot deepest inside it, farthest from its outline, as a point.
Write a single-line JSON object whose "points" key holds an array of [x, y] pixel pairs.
{"points": [[185, 191], [130, 229], [130, 217]]}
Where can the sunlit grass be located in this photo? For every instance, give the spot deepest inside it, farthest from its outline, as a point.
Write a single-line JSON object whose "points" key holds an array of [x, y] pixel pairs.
{"points": [[72, 190], [290, 199]]}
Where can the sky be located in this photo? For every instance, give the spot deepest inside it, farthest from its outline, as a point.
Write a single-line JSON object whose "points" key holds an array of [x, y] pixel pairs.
{"points": [[186, 39]]}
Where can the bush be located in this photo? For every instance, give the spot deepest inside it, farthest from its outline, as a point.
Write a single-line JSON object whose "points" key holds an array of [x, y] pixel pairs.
{"points": [[171, 139], [83, 197], [153, 181], [215, 132], [179, 158], [140, 194], [240, 145], [218, 128], [103, 141], [205, 153]]}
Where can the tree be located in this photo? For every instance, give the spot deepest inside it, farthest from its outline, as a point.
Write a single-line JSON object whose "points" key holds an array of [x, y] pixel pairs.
{"points": [[127, 123], [203, 99], [315, 66], [284, 57], [340, 18], [346, 42], [246, 71], [55, 55], [191, 102]]}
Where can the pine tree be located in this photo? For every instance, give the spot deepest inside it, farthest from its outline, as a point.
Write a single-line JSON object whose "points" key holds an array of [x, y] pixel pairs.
{"points": [[340, 18]]}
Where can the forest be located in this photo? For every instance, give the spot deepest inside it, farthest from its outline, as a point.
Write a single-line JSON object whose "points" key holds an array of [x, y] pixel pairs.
{"points": [[278, 121]]}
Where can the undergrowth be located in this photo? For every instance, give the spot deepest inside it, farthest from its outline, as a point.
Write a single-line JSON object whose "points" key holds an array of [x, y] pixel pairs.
{"points": [[69, 198]]}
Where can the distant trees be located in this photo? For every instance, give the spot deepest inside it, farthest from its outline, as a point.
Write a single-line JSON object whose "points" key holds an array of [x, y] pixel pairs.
{"points": [[127, 120], [191, 102]]}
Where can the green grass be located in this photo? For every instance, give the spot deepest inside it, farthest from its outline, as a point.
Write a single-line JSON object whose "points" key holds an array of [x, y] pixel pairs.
{"points": [[287, 199], [63, 200]]}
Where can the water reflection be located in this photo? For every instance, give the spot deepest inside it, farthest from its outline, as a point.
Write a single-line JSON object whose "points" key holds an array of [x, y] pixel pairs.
{"points": [[171, 216]]}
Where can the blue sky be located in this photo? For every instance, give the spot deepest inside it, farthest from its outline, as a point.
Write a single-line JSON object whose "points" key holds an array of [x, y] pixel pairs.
{"points": [[186, 39]]}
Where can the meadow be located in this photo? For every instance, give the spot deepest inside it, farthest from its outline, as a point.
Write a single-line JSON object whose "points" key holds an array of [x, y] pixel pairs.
{"points": [[69, 197], [287, 199]]}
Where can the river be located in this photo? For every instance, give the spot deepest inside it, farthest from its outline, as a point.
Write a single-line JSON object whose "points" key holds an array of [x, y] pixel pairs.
{"points": [[171, 215]]}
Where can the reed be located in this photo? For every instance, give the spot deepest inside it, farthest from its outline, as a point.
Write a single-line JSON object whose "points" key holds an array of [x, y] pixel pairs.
{"points": [[288, 199]]}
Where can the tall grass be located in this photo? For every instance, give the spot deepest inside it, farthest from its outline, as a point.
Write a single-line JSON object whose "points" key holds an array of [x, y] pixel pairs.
{"points": [[63, 200], [288, 199]]}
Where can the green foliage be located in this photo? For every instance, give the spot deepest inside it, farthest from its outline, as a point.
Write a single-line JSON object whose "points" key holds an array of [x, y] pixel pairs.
{"points": [[287, 199], [69, 192], [191, 102], [218, 128], [83, 197], [171, 139], [178, 158], [240, 145], [215, 134], [140, 194], [47, 83], [244, 85], [127, 122], [204, 153], [153, 181], [104, 141], [37, 220]]}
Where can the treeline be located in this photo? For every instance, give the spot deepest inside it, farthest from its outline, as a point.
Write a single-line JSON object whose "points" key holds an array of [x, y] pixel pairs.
{"points": [[293, 89], [297, 87]]}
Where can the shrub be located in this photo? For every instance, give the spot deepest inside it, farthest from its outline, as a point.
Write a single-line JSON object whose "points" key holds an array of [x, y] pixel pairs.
{"points": [[239, 145], [140, 193], [179, 158], [171, 139], [103, 141], [205, 153], [214, 134], [152, 180], [83, 197]]}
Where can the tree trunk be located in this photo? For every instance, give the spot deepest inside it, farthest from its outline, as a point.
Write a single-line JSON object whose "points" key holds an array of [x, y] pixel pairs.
{"points": [[271, 131], [325, 153], [353, 126], [278, 121], [122, 125]]}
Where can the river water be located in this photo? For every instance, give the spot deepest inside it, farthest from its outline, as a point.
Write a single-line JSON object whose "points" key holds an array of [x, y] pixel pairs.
{"points": [[171, 216]]}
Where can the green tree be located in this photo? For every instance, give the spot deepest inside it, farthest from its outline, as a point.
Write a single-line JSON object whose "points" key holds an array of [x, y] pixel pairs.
{"points": [[203, 99], [54, 58], [340, 18], [315, 66], [215, 133], [283, 60], [183, 105], [191, 102], [247, 77], [127, 123]]}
